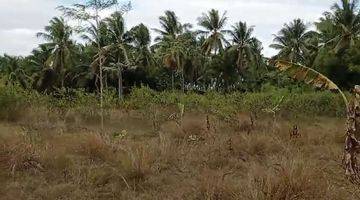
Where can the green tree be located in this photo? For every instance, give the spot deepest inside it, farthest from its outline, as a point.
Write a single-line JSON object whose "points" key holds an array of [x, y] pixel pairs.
{"points": [[11, 68], [341, 25], [118, 46], [171, 27], [140, 40], [89, 12], [58, 35], [245, 44], [173, 44], [292, 41], [214, 25], [173, 53]]}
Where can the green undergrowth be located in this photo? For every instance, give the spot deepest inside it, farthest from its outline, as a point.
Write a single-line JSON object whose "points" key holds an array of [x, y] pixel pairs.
{"points": [[286, 103]]}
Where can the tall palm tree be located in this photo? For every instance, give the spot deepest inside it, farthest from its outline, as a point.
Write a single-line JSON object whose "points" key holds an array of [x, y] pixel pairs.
{"points": [[214, 25], [97, 35], [174, 52], [116, 47], [116, 25], [172, 46], [292, 40], [58, 35], [140, 39], [89, 12], [346, 19], [244, 43], [170, 26]]}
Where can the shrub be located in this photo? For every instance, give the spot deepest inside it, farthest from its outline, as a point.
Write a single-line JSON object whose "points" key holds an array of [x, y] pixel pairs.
{"points": [[12, 103]]}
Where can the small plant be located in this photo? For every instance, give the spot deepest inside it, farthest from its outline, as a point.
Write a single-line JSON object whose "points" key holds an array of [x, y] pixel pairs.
{"points": [[274, 110]]}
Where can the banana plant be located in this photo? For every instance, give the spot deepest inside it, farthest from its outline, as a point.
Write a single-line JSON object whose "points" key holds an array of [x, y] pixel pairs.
{"points": [[309, 76]]}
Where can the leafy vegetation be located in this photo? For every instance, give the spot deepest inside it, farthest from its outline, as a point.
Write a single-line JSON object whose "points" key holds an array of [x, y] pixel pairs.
{"points": [[212, 58], [161, 148], [190, 114]]}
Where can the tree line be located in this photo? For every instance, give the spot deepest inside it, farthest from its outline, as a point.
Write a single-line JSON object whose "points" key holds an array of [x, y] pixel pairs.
{"points": [[108, 55]]}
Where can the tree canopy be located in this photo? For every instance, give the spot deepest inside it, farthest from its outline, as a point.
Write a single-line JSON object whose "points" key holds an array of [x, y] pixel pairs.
{"points": [[200, 57]]}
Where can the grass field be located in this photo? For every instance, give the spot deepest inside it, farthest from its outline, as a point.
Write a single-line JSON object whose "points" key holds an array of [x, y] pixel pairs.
{"points": [[47, 155]]}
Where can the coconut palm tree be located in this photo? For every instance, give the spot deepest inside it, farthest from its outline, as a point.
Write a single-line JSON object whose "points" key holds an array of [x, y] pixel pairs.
{"points": [[173, 52], [140, 40], [214, 25], [116, 47], [13, 71], [170, 26], [292, 40], [89, 12], [244, 43], [116, 26], [173, 43], [58, 35], [346, 20]]}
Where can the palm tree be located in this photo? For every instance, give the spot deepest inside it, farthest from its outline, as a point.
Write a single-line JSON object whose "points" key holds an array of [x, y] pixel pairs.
{"points": [[58, 34], [170, 26], [40, 56], [346, 20], [116, 47], [117, 31], [213, 25], [140, 39], [12, 70], [97, 35], [39, 61], [245, 44], [292, 40], [174, 52], [173, 43], [89, 12]]}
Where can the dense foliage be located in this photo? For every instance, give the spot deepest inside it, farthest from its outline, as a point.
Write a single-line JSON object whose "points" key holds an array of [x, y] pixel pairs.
{"points": [[111, 56]]}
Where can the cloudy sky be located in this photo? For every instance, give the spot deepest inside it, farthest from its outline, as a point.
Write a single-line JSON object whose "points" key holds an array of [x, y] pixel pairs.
{"points": [[22, 19]]}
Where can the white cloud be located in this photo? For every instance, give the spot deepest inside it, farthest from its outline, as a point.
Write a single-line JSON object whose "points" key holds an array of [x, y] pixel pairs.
{"points": [[21, 19]]}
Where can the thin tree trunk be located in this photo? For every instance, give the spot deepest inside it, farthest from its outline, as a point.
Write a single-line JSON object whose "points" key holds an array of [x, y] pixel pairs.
{"points": [[179, 66], [120, 82], [101, 70], [172, 80], [183, 81], [101, 93], [240, 60], [105, 82]]}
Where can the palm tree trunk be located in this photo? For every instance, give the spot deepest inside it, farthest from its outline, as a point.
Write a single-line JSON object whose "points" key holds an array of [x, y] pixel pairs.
{"points": [[100, 69], [179, 66], [172, 79], [183, 81], [60, 71], [240, 60], [101, 93], [120, 81], [62, 80]]}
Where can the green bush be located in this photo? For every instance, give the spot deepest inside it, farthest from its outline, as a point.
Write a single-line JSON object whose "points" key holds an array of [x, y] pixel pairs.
{"points": [[294, 103], [12, 102]]}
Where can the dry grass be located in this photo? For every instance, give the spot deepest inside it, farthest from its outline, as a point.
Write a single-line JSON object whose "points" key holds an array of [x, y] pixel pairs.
{"points": [[201, 158]]}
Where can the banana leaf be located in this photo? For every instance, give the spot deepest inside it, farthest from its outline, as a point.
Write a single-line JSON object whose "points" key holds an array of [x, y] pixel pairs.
{"points": [[309, 76]]}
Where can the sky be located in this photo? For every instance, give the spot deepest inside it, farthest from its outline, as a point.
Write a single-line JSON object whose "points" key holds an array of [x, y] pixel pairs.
{"points": [[22, 19]]}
